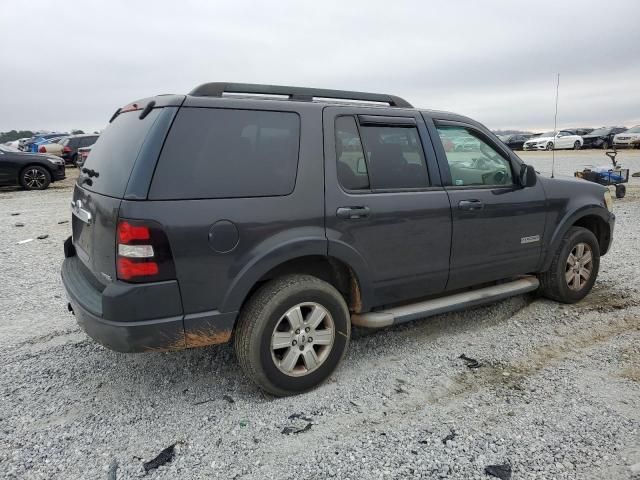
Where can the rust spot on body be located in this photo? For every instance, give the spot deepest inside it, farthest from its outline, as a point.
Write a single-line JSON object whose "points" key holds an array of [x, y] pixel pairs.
{"points": [[202, 338], [355, 298], [193, 339]]}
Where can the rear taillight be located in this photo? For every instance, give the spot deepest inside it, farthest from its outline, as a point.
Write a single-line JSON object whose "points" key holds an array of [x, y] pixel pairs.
{"points": [[42, 150], [143, 253], [66, 150]]}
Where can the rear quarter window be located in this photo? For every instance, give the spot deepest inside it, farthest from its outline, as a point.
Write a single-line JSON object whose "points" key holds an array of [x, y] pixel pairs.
{"points": [[224, 153]]}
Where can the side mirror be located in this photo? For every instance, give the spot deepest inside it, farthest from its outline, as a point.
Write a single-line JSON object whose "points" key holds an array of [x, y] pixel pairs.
{"points": [[528, 176]]}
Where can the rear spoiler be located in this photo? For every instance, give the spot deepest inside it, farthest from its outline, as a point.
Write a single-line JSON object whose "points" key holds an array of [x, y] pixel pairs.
{"points": [[148, 104]]}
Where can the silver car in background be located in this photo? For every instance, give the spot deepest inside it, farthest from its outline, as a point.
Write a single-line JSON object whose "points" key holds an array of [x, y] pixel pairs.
{"points": [[628, 139]]}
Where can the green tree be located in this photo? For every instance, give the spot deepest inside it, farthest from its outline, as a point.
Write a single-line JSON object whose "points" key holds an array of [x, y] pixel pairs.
{"points": [[14, 135]]}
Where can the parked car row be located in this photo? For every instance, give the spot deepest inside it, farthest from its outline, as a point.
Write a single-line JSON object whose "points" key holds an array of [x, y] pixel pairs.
{"points": [[61, 145], [67, 147], [576, 138]]}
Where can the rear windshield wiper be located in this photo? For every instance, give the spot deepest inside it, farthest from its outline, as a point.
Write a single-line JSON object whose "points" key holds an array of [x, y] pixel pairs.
{"points": [[113, 117], [147, 109]]}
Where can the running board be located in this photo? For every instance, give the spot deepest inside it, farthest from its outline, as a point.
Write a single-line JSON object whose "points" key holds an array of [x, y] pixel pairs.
{"points": [[435, 306]]}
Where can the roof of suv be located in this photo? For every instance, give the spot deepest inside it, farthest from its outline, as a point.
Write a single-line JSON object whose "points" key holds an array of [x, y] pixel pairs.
{"points": [[258, 92]]}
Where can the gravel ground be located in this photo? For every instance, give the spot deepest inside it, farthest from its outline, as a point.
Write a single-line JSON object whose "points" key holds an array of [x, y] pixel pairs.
{"points": [[557, 395]]}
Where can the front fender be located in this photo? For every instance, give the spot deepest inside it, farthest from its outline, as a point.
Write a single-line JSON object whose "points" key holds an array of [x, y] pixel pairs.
{"points": [[567, 221]]}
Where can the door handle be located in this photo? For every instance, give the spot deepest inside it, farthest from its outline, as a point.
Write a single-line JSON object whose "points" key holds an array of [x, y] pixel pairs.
{"points": [[353, 212], [470, 205]]}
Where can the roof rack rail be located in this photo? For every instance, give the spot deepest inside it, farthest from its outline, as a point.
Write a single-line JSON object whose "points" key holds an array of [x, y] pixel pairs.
{"points": [[217, 89]]}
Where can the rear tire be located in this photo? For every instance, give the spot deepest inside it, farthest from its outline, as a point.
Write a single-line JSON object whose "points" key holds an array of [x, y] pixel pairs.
{"points": [[605, 145], [35, 177], [574, 267], [273, 339], [621, 191], [576, 146]]}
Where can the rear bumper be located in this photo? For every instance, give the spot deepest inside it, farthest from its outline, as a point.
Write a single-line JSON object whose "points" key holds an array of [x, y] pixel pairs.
{"points": [[138, 317]]}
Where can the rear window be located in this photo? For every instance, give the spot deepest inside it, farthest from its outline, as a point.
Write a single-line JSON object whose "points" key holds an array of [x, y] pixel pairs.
{"points": [[116, 150], [222, 153]]}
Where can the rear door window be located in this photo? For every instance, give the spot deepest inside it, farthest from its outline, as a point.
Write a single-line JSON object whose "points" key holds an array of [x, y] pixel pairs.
{"points": [[224, 153], [379, 157], [395, 157], [352, 167], [116, 151]]}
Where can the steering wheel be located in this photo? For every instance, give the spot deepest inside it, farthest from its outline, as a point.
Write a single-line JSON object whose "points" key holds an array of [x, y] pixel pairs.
{"points": [[500, 177]]}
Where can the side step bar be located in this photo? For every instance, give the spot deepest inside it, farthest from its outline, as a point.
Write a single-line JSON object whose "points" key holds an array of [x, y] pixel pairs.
{"points": [[435, 306]]}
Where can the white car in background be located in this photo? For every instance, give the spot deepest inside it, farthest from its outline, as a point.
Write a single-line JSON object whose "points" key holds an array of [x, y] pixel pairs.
{"points": [[554, 141], [628, 138]]}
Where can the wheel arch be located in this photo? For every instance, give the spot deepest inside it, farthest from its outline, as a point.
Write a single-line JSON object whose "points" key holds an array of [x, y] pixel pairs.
{"points": [[301, 257], [593, 219]]}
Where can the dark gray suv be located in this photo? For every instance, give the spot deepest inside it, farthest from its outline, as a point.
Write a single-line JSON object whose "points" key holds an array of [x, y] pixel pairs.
{"points": [[281, 216]]}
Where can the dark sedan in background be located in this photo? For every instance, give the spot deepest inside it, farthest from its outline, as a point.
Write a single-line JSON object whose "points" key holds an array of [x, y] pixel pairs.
{"points": [[580, 131], [32, 171], [516, 141], [601, 137]]}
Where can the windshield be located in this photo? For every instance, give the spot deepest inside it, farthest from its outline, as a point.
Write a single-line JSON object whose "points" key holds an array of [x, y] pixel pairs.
{"points": [[601, 131], [635, 129]]}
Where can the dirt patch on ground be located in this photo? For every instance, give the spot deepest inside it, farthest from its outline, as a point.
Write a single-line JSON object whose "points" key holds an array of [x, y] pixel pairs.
{"points": [[608, 299], [514, 375], [631, 356]]}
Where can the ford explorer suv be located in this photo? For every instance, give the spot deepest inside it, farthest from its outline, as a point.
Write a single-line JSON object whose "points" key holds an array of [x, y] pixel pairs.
{"points": [[279, 217]]}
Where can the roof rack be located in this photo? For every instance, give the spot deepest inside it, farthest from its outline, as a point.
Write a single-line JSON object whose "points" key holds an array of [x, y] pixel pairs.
{"points": [[217, 89]]}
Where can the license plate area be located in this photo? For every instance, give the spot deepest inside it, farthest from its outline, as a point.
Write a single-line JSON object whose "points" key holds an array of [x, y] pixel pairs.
{"points": [[82, 231]]}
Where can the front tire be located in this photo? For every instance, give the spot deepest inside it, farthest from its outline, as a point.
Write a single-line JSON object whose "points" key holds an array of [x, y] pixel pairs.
{"points": [[574, 267], [35, 177], [292, 334], [550, 146], [605, 145], [621, 191]]}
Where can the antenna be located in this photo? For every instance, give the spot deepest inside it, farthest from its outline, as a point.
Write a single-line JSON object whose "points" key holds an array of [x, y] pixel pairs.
{"points": [[555, 130]]}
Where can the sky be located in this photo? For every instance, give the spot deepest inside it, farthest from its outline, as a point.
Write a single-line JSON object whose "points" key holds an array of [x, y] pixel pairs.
{"points": [[67, 65]]}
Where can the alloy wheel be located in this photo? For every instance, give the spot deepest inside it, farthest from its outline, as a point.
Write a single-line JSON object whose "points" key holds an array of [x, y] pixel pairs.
{"points": [[302, 339], [579, 266], [34, 178]]}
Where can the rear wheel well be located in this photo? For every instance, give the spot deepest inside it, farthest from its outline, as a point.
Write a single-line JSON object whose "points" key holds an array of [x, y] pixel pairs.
{"points": [[329, 269], [598, 227]]}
